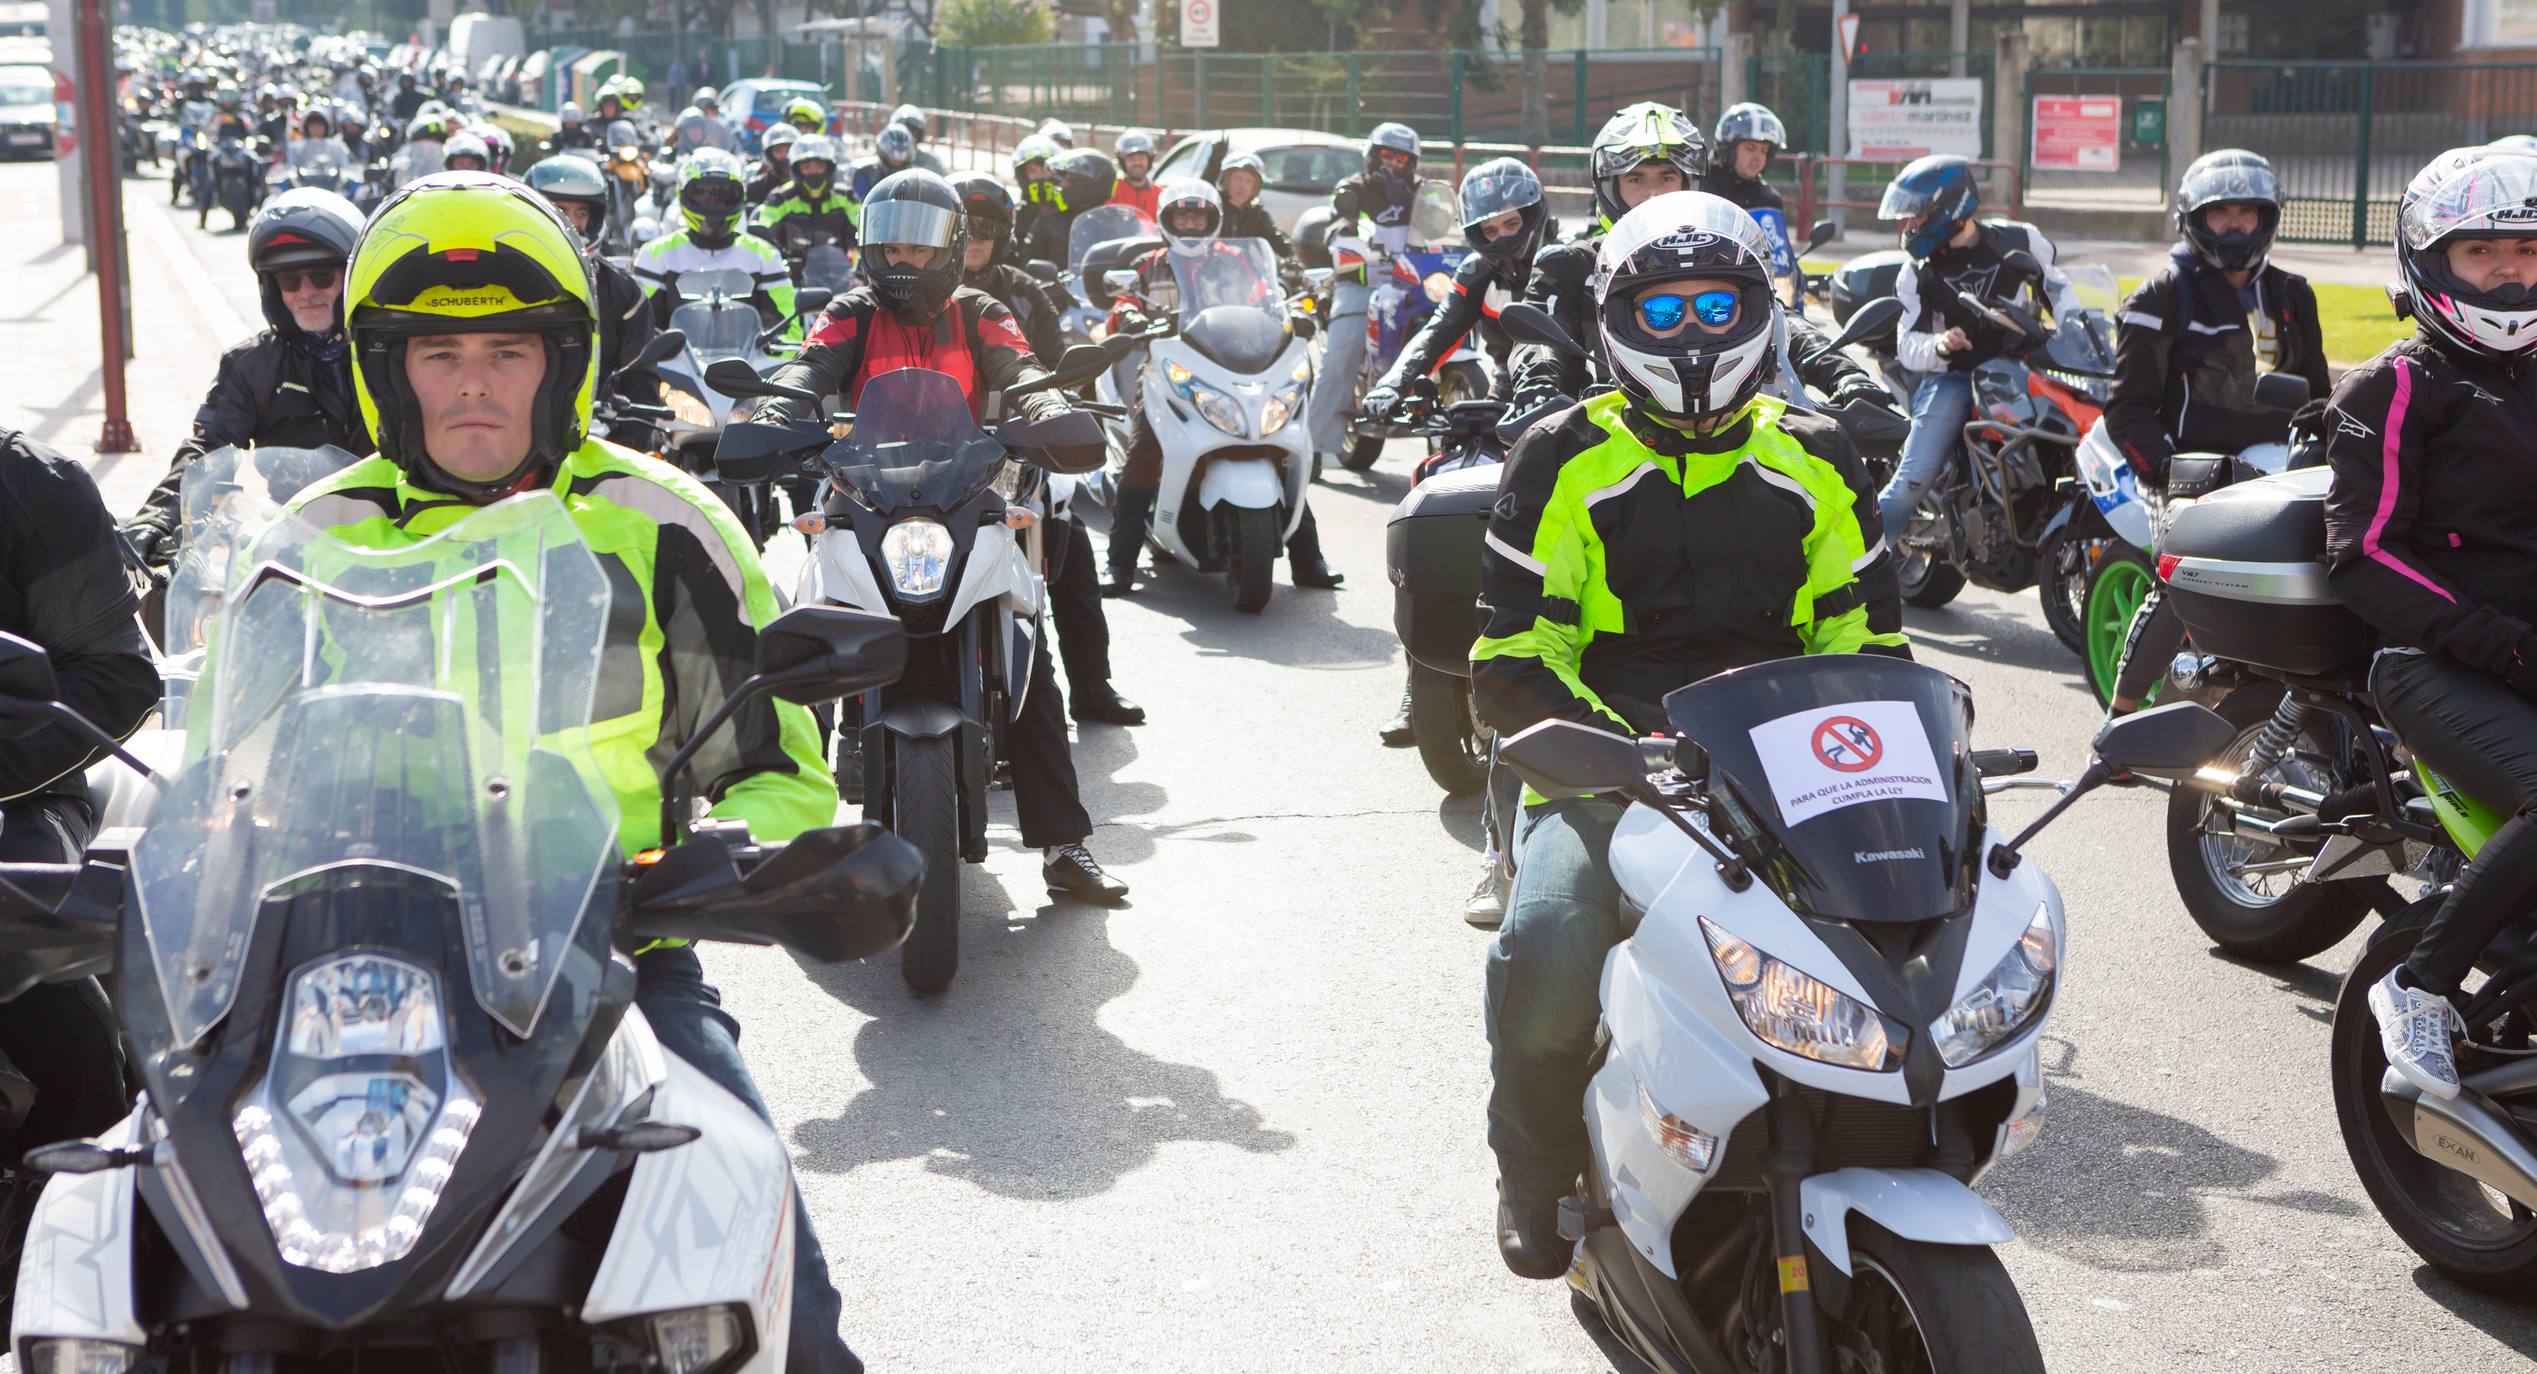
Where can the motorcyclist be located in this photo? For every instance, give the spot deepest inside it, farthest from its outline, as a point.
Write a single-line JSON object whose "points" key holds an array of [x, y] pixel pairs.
{"points": [[498, 144], [807, 116], [912, 311], [893, 151], [578, 190], [1079, 181], [1059, 132], [701, 124], [571, 135], [1040, 200], [812, 207], [466, 152], [503, 339], [713, 199], [1386, 192], [425, 148], [408, 98], [289, 385], [317, 141], [2187, 348], [279, 117], [1238, 183], [919, 128], [1742, 550], [1189, 226], [1936, 200], [1136, 188], [1747, 137], [63, 587], [2431, 536], [1074, 586], [775, 162]]}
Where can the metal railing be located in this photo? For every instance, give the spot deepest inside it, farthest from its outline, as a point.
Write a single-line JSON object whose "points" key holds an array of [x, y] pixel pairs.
{"points": [[1814, 195]]}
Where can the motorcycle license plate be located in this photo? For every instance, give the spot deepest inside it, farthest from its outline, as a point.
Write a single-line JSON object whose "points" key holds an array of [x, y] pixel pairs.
{"points": [[26, 138]]}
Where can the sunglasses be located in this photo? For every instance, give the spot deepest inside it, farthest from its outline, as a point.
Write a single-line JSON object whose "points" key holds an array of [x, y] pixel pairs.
{"points": [[1714, 308], [290, 279]]}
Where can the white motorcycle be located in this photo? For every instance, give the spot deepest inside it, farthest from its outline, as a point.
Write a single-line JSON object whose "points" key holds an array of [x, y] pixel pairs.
{"points": [[1224, 390], [400, 1111], [1823, 1027], [720, 323]]}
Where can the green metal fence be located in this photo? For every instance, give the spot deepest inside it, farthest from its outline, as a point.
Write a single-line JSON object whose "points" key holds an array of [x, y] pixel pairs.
{"points": [[667, 61], [2345, 137], [1797, 86]]}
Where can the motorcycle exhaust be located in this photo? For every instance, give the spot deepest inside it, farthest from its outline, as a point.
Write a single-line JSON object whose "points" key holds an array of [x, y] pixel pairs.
{"points": [[2467, 1134]]}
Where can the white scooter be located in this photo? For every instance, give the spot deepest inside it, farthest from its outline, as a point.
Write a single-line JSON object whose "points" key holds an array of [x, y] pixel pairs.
{"points": [[1823, 1028], [1224, 391]]}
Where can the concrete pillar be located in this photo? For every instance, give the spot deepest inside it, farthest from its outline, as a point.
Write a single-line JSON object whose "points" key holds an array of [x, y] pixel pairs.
{"points": [[2210, 28], [1837, 131], [1735, 58], [2008, 105], [1959, 33], [2184, 105]]}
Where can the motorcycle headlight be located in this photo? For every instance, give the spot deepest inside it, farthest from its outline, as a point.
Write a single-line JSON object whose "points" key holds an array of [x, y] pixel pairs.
{"points": [[1281, 408], [918, 553], [695, 1340], [74, 1355], [360, 1118], [2002, 1005], [1218, 408], [687, 408], [1790, 1009]]}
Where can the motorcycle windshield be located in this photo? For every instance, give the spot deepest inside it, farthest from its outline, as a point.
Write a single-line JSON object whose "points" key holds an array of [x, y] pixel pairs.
{"points": [[1846, 780], [717, 281], [825, 268], [2084, 343], [1231, 307], [1435, 219], [227, 499], [1098, 226], [914, 444], [423, 710], [715, 332]]}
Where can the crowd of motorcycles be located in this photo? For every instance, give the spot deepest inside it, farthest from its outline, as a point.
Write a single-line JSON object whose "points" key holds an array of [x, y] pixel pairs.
{"points": [[1809, 1058]]}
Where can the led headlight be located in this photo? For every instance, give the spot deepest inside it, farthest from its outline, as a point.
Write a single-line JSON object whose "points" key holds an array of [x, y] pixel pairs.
{"points": [[360, 1118], [2004, 1002], [72, 1355], [918, 552], [692, 1340], [1218, 408], [1288, 400], [686, 408], [1790, 1009]]}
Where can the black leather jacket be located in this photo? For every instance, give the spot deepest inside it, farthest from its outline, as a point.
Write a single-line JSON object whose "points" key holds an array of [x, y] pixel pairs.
{"points": [[1038, 314], [63, 586], [1253, 221], [2185, 365], [270, 392]]}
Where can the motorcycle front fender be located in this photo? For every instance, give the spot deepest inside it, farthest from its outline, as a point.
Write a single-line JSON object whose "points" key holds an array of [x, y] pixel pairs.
{"points": [[1915, 1204], [1248, 482], [920, 718]]}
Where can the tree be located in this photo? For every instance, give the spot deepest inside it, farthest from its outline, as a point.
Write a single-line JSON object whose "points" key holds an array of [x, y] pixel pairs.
{"points": [[981, 23]]}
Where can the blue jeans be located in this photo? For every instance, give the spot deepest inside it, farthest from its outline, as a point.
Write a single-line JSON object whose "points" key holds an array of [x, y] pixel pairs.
{"points": [[687, 1016], [1939, 411], [1545, 992]]}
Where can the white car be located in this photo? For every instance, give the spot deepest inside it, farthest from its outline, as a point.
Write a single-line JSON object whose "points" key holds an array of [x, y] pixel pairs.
{"points": [[26, 112], [1302, 165]]}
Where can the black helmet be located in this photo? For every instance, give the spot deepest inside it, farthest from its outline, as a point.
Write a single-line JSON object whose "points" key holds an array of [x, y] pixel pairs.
{"points": [[1492, 189], [1640, 134], [1395, 137], [912, 207], [567, 179], [913, 120], [301, 227], [988, 210], [1085, 178], [2231, 176]]}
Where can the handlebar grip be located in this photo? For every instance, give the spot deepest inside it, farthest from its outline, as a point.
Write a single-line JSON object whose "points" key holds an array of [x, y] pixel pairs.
{"points": [[2003, 763]]}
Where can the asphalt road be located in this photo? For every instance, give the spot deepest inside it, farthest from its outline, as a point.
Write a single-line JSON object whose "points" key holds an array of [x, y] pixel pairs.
{"points": [[1238, 1123]]}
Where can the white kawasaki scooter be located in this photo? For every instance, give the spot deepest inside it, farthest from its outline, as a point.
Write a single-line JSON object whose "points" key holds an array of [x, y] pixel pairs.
{"points": [[1224, 391], [1823, 1027]]}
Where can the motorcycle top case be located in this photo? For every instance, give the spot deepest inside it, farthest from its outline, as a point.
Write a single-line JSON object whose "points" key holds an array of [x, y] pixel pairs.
{"points": [[2245, 569], [1433, 547]]}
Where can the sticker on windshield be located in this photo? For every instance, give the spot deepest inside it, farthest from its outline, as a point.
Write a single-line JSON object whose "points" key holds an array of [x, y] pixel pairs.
{"points": [[1835, 756]]}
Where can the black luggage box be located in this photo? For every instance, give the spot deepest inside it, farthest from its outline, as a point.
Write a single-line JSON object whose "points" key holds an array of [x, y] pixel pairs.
{"points": [[2245, 568], [1434, 549]]}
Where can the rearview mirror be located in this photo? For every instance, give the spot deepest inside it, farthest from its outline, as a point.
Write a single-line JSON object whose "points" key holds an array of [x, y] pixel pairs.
{"points": [[1531, 324], [1045, 270], [834, 652], [2281, 390], [1560, 758], [27, 689], [734, 377], [811, 300], [1073, 430], [1873, 320], [1119, 280], [1082, 357], [845, 892], [2171, 741], [2020, 263], [1823, 232], [1320, 277]]}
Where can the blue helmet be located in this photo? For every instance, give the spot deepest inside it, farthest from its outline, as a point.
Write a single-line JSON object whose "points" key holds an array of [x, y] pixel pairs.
{"points": [[1941, 188]]}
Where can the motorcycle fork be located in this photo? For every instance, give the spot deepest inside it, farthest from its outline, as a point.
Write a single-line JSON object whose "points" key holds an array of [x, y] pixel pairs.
{"points": [[1790, 1159]]}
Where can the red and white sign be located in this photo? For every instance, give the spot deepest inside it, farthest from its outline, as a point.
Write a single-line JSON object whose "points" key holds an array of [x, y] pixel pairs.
{"points": [[2078, 133], [1201, 23], [1898, 120], [1835, 756], [1849, 24]]}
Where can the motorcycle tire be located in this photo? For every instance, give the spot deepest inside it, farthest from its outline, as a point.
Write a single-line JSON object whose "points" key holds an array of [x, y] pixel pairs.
{"points": [[1930, 583], [925, 812], [1251, 545], [2116, 587], [1362, 451], [2304, 920], [2062, 566], [2457, 1225], [1461, 382], [1451, 743], [1955, 1303]]}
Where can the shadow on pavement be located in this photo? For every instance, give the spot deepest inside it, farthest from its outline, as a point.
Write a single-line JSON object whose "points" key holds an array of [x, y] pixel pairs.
{"points": [[1386, 483], [2512, 1324], [2119, 1187], [1008, 1080], [1102, 752], [1300, 629], [1991, 634]]}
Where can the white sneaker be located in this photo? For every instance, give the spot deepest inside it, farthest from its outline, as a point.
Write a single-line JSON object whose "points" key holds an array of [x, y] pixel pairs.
{"points": [[2415, 1028], [1487, 906]]}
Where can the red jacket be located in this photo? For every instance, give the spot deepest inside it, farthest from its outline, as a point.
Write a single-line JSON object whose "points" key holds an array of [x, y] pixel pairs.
{"points": [[1148, 199]]}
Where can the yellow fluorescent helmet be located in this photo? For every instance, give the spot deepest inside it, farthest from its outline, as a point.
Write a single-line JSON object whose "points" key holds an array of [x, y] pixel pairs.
{"points": [[472, 253]]}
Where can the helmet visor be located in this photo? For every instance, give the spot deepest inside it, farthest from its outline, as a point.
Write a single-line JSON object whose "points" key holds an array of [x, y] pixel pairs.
{"points": [[713, 194], [908, 222], [2237, 181], [1902, 201], [1491, 191], [2483, 194]]}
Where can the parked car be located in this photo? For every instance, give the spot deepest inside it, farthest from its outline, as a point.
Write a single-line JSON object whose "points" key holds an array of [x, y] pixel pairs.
{"points": [[751, 105], [1302, 165], [26, 112]]}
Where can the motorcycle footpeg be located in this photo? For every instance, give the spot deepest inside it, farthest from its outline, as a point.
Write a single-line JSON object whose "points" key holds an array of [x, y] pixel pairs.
{"points": [[1577, 1220]]}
